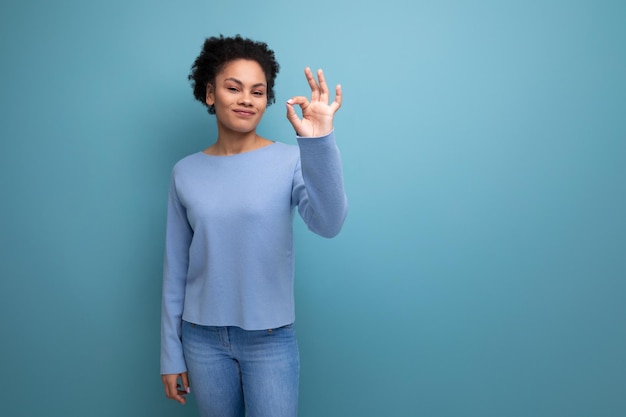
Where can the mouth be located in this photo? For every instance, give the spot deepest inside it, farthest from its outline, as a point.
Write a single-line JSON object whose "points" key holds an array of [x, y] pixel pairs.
{"points": [[244, 113]]}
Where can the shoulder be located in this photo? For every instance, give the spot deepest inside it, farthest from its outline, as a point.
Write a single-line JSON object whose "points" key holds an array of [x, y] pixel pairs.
{"points": [[188, 162], [284, 149]]}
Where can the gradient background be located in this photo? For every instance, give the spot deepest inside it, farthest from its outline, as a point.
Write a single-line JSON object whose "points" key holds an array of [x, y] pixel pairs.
{"points": [[481, 271]]}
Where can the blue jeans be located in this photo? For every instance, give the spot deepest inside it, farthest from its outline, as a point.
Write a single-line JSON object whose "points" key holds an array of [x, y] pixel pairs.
{"points": [[235, 372]]}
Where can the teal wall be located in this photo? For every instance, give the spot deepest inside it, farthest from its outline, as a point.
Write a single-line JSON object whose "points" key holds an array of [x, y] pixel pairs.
{"points": [[481, 271]]}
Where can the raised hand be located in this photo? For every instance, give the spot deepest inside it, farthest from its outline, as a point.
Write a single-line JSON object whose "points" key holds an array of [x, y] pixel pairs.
{"points": [[317, 114]]}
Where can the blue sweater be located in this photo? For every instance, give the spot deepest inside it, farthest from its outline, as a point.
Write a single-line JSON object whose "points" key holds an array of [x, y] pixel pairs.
{"points": [[229, 258]]}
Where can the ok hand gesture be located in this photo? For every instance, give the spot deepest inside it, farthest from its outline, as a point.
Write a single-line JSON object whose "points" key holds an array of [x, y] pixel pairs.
{"points": [[317, 114]]}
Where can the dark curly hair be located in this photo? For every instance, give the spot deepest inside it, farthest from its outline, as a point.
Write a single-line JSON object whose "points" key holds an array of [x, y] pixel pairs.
{"points": [[219, 51]]}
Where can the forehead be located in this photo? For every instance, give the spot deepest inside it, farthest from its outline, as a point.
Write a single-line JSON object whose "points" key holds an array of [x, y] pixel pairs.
{"points": [[244, 70]]}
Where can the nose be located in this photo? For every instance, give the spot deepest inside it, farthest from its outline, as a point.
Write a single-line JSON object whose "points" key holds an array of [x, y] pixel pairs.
{"points": [[245, 99]]}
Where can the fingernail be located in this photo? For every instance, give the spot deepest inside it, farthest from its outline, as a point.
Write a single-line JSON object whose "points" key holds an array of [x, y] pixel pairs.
{"points": [[290, 101], [188, 390]]}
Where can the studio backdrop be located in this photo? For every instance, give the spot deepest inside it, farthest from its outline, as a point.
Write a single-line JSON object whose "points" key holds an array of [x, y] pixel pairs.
{"points": [[481, 268]]}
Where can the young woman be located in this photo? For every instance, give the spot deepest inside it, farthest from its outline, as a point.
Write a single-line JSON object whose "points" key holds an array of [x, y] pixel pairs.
{"points": [[228, 307]]}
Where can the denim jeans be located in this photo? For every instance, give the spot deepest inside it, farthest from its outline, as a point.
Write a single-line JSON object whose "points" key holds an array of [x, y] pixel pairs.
{"points": [[235, 372]]}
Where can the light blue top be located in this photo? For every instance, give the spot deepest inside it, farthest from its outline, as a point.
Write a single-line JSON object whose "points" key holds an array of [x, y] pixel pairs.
{"points": [[229, 257]]}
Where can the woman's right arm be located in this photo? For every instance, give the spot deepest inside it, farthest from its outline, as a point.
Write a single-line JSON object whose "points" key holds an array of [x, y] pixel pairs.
{"points": [[176, 260]]}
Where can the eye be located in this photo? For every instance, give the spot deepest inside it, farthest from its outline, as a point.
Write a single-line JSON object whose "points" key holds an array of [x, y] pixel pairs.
{"points": [[259, 93]]}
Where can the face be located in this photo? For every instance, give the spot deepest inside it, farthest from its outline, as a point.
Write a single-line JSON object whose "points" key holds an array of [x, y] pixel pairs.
{"points": [[239, 96]]}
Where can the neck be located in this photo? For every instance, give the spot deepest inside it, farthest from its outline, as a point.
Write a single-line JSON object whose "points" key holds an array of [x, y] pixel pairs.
{"points": [[232, 143]]}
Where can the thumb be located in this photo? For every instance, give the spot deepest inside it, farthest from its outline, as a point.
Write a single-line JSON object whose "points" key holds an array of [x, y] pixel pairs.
{"points": [[185, 380]]}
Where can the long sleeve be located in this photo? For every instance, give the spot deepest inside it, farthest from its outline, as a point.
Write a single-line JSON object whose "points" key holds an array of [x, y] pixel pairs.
{"points": [[318, 186], [176, 262], [229, 237]]}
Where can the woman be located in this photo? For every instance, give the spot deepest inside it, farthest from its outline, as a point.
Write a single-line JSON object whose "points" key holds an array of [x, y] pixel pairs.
{"points": [[228, 309]]}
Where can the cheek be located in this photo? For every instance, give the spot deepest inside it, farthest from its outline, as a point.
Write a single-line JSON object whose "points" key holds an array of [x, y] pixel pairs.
{"points": [[263, 104]]}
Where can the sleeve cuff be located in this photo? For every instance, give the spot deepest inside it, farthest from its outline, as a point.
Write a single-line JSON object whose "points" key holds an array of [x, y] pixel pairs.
{"points": [[328, 135]]}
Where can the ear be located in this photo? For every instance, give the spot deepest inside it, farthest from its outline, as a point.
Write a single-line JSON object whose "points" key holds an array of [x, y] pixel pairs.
{"points": [[210, 95]]}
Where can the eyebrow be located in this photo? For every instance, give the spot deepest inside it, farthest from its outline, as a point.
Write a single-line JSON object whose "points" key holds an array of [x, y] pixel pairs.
{"points": [[235, 80]]}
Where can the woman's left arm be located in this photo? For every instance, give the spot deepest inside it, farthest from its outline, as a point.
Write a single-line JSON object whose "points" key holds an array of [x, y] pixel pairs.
{"points": [[318, 182]]}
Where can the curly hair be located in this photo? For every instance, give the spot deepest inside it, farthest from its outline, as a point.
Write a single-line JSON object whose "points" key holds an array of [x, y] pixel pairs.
{"points": [[219, 51]]}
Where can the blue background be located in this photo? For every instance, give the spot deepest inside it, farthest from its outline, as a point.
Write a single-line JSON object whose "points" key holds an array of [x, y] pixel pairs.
{"points": [[481, 271]]}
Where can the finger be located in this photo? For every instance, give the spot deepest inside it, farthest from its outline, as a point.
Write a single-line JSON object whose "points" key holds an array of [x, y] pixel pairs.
{"points": [[301, 101], [323, 86], [178, 395], [292, 116], [185, 380], [338, 98], [315, 90]]}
